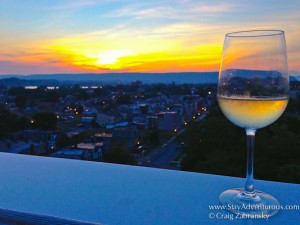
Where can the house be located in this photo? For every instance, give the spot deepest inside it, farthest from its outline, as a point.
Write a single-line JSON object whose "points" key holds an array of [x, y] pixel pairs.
{"points": [[47, 137], [153, 108], [112, 126], [106, 139], [88, 117], [22, 147], [72, 133], [69, 153], [135, 109], [92, 149], [102, 118]]}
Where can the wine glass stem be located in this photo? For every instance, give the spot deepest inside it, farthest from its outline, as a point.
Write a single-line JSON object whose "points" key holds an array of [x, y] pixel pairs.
{"points": [[249, 186]]}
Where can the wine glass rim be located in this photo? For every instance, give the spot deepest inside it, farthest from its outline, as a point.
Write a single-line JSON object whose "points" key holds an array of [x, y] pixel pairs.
{"points": [[255, 33]]}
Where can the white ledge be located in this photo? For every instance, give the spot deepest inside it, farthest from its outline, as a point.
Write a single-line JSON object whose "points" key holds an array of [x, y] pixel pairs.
{"points": [[124, 195]]}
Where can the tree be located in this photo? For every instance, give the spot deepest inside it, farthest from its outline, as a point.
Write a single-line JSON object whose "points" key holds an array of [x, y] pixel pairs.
{"points": [[45, 120], [154, 138], [63, 141], [7, 121], [21, 101], [23, 123], [119, 154], [101, 91], [52, 96], [82, 95], [17, 91], [289, 173], [79, 109], [124, 99], [95, 124], [214, 145], [32, 149]]}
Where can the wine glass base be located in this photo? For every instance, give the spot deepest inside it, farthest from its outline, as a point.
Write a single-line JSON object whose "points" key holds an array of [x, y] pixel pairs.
{"points": [[256, 205]]}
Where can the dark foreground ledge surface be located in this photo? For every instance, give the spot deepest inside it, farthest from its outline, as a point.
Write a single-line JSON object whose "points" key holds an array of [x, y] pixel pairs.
{"points": [[42, 190]]}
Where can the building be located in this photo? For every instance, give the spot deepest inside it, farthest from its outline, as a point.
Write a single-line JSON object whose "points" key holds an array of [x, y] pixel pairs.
{"points": [[168, 121], [152, 122], [127, 134], [92, 149], [190, 109], [140, 120]]}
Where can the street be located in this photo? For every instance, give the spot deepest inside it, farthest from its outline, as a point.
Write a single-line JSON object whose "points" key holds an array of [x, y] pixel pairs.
{"points": [[161, 157]]}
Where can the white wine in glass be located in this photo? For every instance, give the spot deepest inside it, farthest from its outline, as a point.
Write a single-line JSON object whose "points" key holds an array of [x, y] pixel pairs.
{"points": [[253, 92], [252, 112]]}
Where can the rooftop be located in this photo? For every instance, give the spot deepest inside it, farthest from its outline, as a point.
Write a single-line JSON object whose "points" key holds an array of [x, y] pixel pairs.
{"points": [[103, 135], [89, 146], [69, 152], [103, 193], [15, 146]]}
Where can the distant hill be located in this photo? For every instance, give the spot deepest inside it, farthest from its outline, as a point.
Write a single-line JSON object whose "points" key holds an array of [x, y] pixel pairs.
{"points": [[17, 82], [178, 78], [295, 75], [114, 78]]}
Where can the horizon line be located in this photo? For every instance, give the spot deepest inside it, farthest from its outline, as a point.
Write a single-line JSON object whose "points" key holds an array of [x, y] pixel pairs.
{"points": [[106, 73]]}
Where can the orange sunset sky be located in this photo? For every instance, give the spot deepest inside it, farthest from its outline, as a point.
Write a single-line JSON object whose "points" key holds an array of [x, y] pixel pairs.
{"points": [[97, 36]]}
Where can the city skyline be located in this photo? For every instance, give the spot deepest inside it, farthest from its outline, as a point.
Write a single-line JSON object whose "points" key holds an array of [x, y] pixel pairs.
{"points": [[93, 36]]}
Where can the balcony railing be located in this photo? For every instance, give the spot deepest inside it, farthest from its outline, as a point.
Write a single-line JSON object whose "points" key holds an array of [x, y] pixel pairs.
{"points": [[44, 190]]}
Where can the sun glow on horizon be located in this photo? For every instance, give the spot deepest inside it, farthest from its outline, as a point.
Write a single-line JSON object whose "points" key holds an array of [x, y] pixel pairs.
{"points": [[132, 36], [111, 57], [124, 54]]}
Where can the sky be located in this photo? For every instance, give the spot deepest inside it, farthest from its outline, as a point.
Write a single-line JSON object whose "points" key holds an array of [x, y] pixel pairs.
{"points": [[100, 36]]}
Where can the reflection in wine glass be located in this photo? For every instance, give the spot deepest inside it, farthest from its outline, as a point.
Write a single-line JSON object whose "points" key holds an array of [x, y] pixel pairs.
{"points": [[253, 92]]}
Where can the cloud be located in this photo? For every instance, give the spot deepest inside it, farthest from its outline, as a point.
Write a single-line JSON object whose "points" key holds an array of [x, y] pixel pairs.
{"points": [[77, 31], [186, 29], [137, 11], [213, 8], [73, 4], [13, 67], [177, 10]]}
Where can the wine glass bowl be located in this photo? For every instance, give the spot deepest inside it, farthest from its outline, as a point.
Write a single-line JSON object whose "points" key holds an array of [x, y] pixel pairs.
{"points": [[253, 92]]}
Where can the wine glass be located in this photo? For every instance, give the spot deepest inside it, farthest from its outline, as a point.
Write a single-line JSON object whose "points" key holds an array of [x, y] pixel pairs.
{"points": [[253, 92]]}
